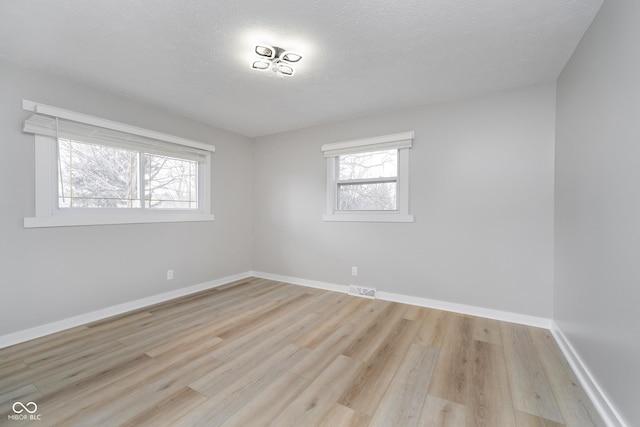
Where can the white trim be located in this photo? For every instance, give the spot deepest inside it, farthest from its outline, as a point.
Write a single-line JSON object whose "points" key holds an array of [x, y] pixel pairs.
{"points": [[505, 316], [396, 140], [301, 282], [471, 310], [598, 397], [204, 183], [403, 183], [331, 197], [368, 217], [48, 110], [61, 325], [45, 171], [82, 220]]}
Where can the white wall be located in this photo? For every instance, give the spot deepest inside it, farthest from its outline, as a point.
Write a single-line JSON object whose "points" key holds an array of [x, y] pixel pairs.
{"points": [[481, 190], [52, 274], [597, 279]]}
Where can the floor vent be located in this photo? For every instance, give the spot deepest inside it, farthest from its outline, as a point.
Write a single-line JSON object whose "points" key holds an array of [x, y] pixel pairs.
{"points": [[359, 291]]}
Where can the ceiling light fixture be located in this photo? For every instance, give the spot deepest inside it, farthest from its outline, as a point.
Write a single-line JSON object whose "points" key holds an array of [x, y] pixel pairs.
{"points": [[266, 51], [290, 56], [261, 65], [276, 58], [282, 68]]}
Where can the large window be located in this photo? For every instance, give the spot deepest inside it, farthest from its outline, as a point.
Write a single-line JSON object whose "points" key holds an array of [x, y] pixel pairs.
{"points": [[93, 171], [367, 180]]}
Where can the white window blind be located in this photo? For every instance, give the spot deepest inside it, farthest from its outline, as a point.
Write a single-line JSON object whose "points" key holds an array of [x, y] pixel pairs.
{"points": [[61, 128], [378, 143]]}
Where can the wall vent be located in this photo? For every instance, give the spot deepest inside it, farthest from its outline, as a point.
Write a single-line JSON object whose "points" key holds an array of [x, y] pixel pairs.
{"points": [[359, 291]]}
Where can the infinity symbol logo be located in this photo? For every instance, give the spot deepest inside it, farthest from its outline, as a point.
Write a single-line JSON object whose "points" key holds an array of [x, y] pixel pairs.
{"points": [[22, 407]]}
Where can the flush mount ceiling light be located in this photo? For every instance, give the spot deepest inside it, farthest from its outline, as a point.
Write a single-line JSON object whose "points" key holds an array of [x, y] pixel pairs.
{"points": [[261, 65], [282, 68], [290, 56], [266, 51], [276, 58]]}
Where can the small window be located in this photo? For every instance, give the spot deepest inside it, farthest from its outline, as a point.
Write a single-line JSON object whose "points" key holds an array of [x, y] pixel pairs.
{"points": [[367, 180], [93, 171]]}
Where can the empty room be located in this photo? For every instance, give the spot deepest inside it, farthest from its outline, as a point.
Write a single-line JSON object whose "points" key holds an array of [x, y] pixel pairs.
{"points": [[322, 213]]}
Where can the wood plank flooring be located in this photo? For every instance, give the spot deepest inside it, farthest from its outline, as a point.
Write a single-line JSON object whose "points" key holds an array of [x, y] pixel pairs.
{"points": [[263, 353]]}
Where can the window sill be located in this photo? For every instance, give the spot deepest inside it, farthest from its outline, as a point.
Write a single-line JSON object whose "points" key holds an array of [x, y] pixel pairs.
{"points": [[368, 217], [82, 220]]}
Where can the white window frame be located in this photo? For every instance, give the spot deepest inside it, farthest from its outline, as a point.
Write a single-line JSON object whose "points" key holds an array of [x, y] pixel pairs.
{"points": [[402, 142], [47, 213]]}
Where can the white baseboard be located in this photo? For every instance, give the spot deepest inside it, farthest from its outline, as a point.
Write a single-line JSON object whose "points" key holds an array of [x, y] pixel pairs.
{"points": [[302, 282], [471, 310], [505, 316], [61, 325], [605, 408]]}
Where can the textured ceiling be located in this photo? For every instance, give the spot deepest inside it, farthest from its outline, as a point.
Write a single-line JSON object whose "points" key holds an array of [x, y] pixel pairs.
{"points": [[361, 57]]}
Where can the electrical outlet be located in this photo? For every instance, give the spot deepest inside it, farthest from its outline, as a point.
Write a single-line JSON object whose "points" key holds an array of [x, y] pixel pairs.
{"points": [[169, 274], [354, 271]]}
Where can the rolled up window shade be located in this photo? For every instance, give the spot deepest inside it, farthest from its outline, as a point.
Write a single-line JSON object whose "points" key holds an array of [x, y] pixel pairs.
{"points": [[377, 143], [61, 128]]}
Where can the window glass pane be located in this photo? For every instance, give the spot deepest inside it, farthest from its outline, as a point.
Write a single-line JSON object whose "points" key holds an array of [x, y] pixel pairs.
{"points": [[374, 164], [94, 176], [367, 197], [170, 183]]}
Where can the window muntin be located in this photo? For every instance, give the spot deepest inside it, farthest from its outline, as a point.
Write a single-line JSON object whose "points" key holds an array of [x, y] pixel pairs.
{"points": [[367, 181]]}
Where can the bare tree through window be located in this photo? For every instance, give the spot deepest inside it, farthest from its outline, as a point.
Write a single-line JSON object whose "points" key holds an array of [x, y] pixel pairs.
{"points": [[170, 183], [96, 176], [368, 181]]}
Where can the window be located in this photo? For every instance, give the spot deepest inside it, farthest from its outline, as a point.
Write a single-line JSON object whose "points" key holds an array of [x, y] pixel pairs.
{"points": [[96, 176], [94, 171], [367, 179]]}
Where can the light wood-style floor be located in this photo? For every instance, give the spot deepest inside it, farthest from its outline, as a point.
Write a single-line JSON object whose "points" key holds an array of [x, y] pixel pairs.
{"points": [[258, 352]]}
